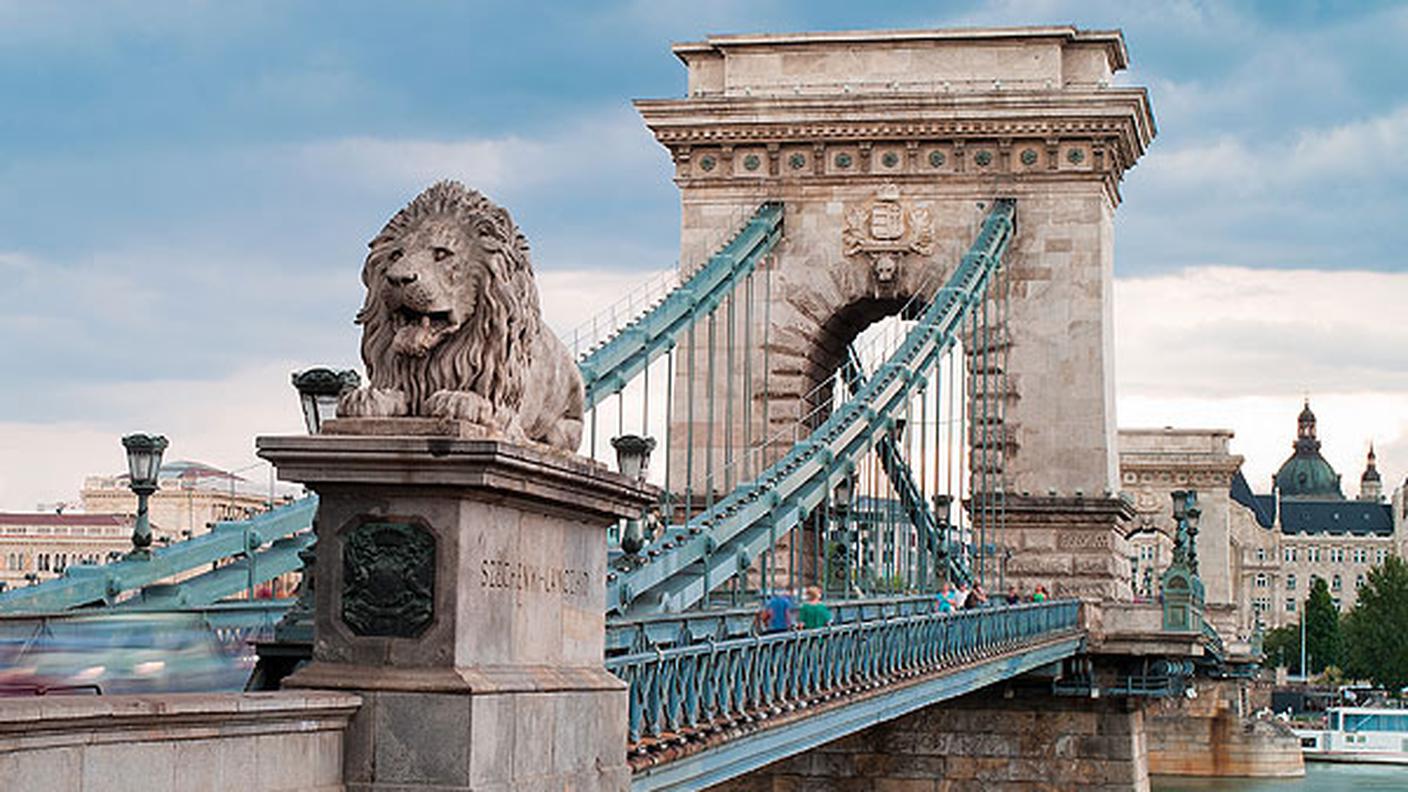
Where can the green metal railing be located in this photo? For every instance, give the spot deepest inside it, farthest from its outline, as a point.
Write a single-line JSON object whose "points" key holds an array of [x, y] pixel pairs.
{"points": [[704, 686]]}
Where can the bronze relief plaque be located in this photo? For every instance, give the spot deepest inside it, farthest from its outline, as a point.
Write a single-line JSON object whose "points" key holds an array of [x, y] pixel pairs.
{"points": [[388, 579]]}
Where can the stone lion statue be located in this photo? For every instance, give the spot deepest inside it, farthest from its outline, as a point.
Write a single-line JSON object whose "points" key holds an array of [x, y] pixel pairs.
{"points": [[451, 326]]}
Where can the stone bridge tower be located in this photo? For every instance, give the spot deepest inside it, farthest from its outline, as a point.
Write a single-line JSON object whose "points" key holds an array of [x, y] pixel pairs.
{"points": [[887, 149]]}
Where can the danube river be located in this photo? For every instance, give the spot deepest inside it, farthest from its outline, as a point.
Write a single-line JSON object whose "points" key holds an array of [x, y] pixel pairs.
{"points": [[1319, 777]]}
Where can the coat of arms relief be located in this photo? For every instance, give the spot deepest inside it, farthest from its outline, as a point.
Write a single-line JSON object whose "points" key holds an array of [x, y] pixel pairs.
{"points": [[885, 230]]}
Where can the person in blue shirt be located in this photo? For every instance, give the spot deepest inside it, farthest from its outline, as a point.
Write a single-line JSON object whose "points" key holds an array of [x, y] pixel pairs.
{"points": [[779, 613]]}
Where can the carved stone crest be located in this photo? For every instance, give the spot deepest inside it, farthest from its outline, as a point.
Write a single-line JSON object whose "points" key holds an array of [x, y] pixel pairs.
{"points": [[388, 579], [885, 230]]}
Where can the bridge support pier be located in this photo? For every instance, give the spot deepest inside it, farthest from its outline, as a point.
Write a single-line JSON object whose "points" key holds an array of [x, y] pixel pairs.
{"points": [[1075, 547], [460, 595], [1001, 738]]}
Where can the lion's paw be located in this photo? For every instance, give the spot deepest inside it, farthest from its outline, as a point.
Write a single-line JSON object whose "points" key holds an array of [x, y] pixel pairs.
{"points": [[373, 403], [461, 405]]}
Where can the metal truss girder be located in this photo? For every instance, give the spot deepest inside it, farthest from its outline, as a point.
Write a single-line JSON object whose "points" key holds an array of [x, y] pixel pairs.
{"points": [[800, 476], [608, 368], [86, 585], [278, 559]]}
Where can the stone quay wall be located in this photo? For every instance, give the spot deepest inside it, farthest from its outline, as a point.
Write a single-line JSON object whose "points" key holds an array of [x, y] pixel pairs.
{"points": [[981, 742], [175, 742]]}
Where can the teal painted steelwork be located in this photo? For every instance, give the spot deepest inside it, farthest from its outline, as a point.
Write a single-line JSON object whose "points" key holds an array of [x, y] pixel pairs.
{"points": [[703, 554], [901, 477], [701, 688], [280, 558], [735, 758], [102, 585], [607, 369], [662, 631]]}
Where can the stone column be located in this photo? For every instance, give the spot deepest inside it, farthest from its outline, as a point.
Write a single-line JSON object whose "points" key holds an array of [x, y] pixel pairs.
{"points": [[460, 594]]}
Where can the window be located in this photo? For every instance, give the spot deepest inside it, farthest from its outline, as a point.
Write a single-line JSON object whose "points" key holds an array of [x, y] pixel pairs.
{"points": [[1290, 604], [1359, 581], [1291, 582], [1312, 554], [1360, 555], [1261, 581], [1290, 555], [1335, 584], [1379, 556], [1260, 554], [1336, 602], [1336, 555]]}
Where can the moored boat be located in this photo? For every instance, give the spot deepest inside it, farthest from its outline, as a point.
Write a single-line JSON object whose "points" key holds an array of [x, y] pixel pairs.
{"points": [[1358, 734]]}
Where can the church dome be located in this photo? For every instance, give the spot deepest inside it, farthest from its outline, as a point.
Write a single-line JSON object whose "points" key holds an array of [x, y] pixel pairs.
{"points": [[1306, 474]]}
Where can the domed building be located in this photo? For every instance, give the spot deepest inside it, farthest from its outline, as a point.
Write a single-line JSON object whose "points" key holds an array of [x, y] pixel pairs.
{"points": [[1306, 474], [1259, 553]]}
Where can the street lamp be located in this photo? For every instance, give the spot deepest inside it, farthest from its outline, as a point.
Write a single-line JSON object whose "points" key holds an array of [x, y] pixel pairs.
{"points": [[143, 468], [633, 455], [318, 392]]}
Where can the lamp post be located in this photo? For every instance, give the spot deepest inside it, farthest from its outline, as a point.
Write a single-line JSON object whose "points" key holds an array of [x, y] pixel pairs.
{"points": [[318, 391], [633, 455], [143, 467]]}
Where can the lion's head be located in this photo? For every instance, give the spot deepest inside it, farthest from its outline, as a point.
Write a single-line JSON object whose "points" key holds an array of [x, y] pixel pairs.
{"points": [[451, 303]]}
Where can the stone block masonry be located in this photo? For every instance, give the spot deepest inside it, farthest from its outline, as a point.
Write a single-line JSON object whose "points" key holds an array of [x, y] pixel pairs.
{"points": [[983, 742]]}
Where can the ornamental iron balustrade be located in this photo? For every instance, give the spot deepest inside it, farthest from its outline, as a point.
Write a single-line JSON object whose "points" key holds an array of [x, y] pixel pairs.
{"points": [[717, 684]]}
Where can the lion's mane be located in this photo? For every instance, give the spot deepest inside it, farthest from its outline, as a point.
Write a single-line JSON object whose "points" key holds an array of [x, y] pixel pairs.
{"points": [[491, 353]]}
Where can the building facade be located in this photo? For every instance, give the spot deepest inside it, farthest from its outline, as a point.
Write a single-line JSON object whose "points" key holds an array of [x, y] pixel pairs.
{"points": [[39, 547], [192, 496], [1259, 554]]}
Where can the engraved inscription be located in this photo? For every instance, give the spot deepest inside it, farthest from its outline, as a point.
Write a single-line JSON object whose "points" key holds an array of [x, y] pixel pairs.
{"points": [[1082, 540], [502, 574]]}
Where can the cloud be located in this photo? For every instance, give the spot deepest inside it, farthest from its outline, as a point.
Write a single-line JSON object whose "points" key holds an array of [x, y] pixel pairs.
{"points": [[578, 151], [1238, 348], [212, 420]]}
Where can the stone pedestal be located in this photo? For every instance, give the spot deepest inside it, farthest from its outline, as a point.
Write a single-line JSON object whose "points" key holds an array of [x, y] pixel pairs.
{"points": [[1076, 547], [460, 593]]}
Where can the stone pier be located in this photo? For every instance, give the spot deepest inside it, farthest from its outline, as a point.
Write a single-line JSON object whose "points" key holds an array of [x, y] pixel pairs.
{"points": [[460, 595], [1006, 738]]}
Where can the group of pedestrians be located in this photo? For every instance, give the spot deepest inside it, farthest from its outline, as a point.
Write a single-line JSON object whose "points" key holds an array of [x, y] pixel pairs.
{"points": [[781, 612]]}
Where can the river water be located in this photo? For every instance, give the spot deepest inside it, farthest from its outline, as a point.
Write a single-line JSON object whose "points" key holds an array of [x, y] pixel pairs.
{"points": [[1319, 777]]}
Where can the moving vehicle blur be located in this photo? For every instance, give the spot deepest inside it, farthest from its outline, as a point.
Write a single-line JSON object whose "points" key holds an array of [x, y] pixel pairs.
{"points": [[119, 653]]}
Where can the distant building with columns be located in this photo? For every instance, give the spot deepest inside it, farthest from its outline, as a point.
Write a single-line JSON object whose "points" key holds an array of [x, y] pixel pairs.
{"points": [[1258, 553]]}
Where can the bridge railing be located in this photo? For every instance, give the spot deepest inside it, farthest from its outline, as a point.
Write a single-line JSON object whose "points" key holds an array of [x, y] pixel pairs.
{"points": [[719, 684]]}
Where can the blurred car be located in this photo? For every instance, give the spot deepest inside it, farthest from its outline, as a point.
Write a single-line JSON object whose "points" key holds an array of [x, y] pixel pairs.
{"points": [[121, 653]]}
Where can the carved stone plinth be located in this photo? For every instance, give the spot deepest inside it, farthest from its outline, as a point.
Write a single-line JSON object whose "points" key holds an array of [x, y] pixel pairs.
{"points": [[1075, 547], [461, 594]]}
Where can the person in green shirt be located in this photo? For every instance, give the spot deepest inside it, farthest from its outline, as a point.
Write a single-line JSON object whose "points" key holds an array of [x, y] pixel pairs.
{"points": [[813, 614]]}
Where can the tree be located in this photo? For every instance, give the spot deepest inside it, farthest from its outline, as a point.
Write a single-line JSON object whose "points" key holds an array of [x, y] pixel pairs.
{"points": [[1282, 648], [1376, 631], [1323, 644]]}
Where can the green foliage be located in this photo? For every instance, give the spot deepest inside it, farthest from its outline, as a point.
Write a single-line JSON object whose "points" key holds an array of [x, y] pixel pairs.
{"points": [[1282, 648], [1376, 631], [1323, 644]]}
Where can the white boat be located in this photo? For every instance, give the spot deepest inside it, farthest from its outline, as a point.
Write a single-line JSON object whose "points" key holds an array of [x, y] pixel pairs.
{"points": [[1358, 734]]}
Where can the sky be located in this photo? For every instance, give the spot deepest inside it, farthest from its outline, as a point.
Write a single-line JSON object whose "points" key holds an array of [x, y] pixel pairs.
{"points": [[187, 188]]}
